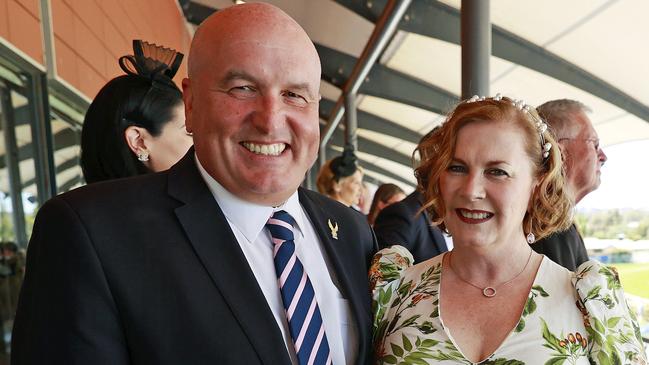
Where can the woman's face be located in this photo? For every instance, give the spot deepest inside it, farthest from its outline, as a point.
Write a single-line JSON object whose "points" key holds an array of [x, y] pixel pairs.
{"points": [[488, 185], [348, 189], [172, 144]]}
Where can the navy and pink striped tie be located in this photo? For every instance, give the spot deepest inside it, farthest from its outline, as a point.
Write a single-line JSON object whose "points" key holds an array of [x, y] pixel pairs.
{"points": [[302, 312]]}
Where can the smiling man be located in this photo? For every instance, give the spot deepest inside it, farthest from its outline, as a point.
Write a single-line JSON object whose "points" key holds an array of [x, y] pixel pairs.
{"points": [[583, 160], [223, 259]]}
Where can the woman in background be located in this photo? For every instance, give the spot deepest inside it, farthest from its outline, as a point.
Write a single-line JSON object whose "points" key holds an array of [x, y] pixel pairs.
{"points": [[493, 176], [136, 123], [341, 178], [385, 195]]}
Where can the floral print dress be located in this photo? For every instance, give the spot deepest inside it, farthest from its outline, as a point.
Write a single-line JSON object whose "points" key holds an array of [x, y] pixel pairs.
{"points": [[569, 318]]}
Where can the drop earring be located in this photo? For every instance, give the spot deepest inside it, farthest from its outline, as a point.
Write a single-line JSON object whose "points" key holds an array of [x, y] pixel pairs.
{"points": [[530, 238]]}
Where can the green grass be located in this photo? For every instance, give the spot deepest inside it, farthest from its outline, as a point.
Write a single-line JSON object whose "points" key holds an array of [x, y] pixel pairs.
{"points": [[634, 278]]}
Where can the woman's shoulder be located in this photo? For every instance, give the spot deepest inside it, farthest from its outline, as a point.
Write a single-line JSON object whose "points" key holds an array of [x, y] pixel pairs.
{"points": [[598, 287], [593, 280], [612, 326], [393, 263], [388, 264]]}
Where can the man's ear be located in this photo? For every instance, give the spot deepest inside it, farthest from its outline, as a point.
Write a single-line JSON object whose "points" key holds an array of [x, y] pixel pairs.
{"points": [[188, 99], [136, 139]]}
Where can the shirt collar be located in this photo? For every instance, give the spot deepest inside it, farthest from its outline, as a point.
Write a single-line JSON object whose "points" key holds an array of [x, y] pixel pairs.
{"points": [[247, 217]]}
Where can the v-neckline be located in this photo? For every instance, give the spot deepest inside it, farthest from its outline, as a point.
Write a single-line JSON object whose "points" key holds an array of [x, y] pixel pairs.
{"points": [[540, 269]]}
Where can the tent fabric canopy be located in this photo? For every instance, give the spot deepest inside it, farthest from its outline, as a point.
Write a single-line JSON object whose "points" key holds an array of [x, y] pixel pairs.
{"points": [[589, 51]]}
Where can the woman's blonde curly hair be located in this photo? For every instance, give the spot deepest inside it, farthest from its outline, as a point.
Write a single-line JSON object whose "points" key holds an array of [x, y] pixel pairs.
{"points": [[550, 209]]}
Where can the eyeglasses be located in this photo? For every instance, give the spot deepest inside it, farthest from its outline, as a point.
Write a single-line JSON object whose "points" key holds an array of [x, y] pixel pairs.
{"points": [[593, 141]]}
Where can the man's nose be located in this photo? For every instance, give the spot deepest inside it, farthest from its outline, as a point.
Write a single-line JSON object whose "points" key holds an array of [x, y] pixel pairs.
{"points": [[601, 156], [268, 114]]}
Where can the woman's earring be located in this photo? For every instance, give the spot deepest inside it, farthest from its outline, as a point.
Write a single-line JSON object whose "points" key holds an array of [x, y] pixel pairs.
{"points": [[530, 238], [143, 156]]}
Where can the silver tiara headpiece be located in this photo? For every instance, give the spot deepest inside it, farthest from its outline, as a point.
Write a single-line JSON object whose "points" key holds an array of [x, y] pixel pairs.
{"points": [[540, 125]]}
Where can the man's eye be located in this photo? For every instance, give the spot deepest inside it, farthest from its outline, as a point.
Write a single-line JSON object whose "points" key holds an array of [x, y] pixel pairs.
{"points": [[295, 98], [242, 91]]}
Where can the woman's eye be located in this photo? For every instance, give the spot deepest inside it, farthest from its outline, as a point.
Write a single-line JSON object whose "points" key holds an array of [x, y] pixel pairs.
{"points": [[456, 169], [498, 172]]}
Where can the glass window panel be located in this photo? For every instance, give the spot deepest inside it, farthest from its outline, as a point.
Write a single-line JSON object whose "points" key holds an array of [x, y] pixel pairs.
{"points": [[66, 129]]}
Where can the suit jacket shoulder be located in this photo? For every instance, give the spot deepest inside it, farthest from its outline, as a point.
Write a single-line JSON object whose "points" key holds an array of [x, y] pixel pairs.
{"points": [[402, 224], [566, 248]]}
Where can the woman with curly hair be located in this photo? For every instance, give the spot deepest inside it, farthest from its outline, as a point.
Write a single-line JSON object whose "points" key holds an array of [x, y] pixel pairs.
{"points": [[492, 177]]}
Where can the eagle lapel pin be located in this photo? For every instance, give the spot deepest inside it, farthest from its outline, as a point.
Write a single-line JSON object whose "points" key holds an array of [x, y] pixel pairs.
{"points": [[334, 229]]}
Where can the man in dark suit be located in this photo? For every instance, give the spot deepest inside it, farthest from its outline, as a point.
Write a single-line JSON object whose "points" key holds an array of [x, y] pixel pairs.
{"points": [[183, 266], [400, 224], [583, 160]]}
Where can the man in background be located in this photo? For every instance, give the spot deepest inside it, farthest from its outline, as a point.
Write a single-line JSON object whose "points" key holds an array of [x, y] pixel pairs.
{"points": [[402, 224], [583, 160]]}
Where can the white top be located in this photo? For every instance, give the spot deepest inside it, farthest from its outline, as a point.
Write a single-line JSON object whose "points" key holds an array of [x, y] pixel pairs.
{"points": [[247, 221]]}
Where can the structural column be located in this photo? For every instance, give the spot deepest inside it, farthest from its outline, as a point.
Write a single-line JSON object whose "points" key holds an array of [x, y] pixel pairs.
{"points": [[12, 160], [476, 47]]}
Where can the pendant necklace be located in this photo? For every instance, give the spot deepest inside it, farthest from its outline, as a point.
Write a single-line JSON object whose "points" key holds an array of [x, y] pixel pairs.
{"points": [[488, 291]]}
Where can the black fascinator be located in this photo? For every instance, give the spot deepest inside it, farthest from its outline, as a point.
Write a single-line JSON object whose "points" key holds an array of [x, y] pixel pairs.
{"points": [[345, 165], [151, 61]]}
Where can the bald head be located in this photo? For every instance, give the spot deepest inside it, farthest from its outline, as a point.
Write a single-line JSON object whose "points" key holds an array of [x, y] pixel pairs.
{"points": [[251, 101], [261, 23]]}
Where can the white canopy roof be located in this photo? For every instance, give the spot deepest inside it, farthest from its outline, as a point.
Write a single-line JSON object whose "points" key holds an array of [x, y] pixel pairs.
{"points": [[602, 41]]}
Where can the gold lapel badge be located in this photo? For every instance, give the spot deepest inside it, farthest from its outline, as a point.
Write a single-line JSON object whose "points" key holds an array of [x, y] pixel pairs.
{"points": [[334, 229]]}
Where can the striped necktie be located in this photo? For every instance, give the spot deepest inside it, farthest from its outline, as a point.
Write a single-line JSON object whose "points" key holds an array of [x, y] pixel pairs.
{"points": [[302, 312]]}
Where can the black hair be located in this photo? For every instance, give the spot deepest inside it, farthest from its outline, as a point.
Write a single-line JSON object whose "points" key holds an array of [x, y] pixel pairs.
{"points": [[345, 164], [125, 101], [145, 97]]}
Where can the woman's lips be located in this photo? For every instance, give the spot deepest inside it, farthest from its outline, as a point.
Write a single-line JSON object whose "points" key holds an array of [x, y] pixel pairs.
{"points": [[473, 216]]}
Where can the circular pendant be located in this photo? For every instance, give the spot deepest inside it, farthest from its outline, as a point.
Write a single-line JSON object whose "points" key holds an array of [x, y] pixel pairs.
{"points": [[489, 292]]}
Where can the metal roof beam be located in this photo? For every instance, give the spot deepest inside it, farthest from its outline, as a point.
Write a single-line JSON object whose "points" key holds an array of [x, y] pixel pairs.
{"points": [[371, 147], [386, 83], [379, 170], [385, 27], [438, 20], [62, 139], [374, 123], [67, 164], [68, 184]]}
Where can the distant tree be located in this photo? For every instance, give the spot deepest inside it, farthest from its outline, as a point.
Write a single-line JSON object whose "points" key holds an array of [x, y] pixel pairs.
{"points": [[614, 223]]}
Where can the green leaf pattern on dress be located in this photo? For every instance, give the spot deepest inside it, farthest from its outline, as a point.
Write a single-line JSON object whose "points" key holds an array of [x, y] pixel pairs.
{"points": [[407, 328], [612, 327]]}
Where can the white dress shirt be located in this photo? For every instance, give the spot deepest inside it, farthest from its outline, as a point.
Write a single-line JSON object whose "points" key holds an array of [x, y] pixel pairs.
{"points": [[247, 221]]}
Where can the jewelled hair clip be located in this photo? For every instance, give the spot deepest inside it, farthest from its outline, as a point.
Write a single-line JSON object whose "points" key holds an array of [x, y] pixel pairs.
{"points": [[540, 125]]}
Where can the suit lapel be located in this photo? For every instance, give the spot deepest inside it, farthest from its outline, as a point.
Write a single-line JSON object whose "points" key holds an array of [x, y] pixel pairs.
{"points": [[220, 254], [320, 220]]}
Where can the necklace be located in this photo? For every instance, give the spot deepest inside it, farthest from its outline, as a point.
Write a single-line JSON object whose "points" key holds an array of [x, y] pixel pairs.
{"points": [[488, 291]]}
